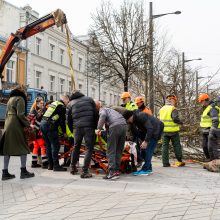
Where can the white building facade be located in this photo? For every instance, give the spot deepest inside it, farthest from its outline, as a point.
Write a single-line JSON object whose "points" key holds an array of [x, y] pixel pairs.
{"points": [[48, 62]]}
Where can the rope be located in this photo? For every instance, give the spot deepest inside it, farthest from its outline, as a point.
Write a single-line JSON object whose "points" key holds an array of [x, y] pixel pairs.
{"points": [[73, 84]]}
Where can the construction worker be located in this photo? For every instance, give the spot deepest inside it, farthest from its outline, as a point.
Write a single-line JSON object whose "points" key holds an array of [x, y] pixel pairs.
{"points": [[168, 114], [127, 103], [139, 101], [214, 134], [206, 122], [53, 118], [131, 106]]}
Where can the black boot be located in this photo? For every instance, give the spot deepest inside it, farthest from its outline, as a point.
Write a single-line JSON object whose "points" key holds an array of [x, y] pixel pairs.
{"points": [[73, 170], [25, 174], [50, 164], [57, 167], [6, 175], [35, 164], [45, 165]]}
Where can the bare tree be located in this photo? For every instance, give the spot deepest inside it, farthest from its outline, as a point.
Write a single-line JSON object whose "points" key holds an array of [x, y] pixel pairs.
{"points": [[118, 47]]}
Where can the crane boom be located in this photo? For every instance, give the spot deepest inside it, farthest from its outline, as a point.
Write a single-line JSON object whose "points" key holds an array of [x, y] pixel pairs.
{"points": [[57, 18]]}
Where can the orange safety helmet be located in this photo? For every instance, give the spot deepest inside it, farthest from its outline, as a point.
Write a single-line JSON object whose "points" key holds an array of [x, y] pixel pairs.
{"points": [[203, 97], [169, 97], [139, 99], [125, 95]]}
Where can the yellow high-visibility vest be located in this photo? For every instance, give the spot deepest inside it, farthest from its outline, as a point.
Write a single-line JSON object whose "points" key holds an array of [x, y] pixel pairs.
{"points": [[206, 121], [131, 106], [52, 107], [68, 132], [165, 116]]}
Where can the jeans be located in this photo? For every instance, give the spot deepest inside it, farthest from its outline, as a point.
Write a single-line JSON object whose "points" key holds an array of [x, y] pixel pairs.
{"points": [[89, 136], [52, 142], [148, 154]]}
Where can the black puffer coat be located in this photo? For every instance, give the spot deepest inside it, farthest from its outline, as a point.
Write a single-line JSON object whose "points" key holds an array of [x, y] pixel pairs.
{"points": [[148, 124], [81, 112]]}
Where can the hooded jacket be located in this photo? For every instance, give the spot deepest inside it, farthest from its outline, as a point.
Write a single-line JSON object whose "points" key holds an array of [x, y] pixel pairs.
{"points": [[81, 112]]}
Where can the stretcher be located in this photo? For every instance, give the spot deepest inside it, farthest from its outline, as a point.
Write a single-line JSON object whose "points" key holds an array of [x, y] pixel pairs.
{"points": [[99, 157]]}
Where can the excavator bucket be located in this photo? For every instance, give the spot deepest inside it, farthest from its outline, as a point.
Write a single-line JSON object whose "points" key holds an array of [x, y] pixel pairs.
{"points": [[59, 17]]}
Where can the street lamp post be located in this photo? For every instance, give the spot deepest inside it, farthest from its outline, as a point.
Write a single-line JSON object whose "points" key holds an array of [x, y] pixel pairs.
{"points": [[184, 76], [151, 61], [197, 84]]}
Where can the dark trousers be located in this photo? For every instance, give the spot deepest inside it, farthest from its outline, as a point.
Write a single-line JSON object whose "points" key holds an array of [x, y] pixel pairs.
{"points": [[214, 136], [205, 144], [175, 139], [148, 154], [89, 136], [115, 146], [52, 143]]}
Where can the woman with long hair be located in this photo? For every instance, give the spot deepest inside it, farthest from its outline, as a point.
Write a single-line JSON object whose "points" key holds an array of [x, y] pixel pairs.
{"points": [[13, 142], [36, 114]]}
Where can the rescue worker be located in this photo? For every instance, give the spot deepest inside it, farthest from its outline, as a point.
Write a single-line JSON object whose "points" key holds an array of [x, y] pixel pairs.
{"points": [[168, 114], [53, 118], [70, 137], [152, 129], [127, 103], [36, 113], [82, 120], [214, 133], [206, 122], [139, 101]]}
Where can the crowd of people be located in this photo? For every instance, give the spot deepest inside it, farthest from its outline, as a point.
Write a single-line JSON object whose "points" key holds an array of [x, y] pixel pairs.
{"points": [[79, 118]]}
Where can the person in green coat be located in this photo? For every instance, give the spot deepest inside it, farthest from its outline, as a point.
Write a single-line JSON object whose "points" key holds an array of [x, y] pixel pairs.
{"points": [[13, 142]]}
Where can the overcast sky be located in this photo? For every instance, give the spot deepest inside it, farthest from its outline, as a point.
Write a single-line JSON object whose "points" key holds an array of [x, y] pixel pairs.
{"points": [[195, 31]]}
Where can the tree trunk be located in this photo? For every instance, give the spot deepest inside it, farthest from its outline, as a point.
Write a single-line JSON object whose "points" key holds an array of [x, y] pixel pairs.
{"points": [[126, 82]]}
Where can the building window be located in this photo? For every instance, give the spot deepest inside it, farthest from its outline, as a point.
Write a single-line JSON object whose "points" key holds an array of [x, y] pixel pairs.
{"points": [[52, 83], [10, 70], [62, 81], [52, 49], [80, 87], [70, 86], [80, 64], [38, 76], [38, 45], [93, 93], [61, 56]]}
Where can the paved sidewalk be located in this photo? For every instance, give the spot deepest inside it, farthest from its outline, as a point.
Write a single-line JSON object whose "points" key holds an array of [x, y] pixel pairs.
{"points": [[170, 193]]}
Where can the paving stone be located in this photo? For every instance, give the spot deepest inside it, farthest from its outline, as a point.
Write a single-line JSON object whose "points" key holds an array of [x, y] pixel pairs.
{"points": [[170, 215], [167, 194], [197, 216]]}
